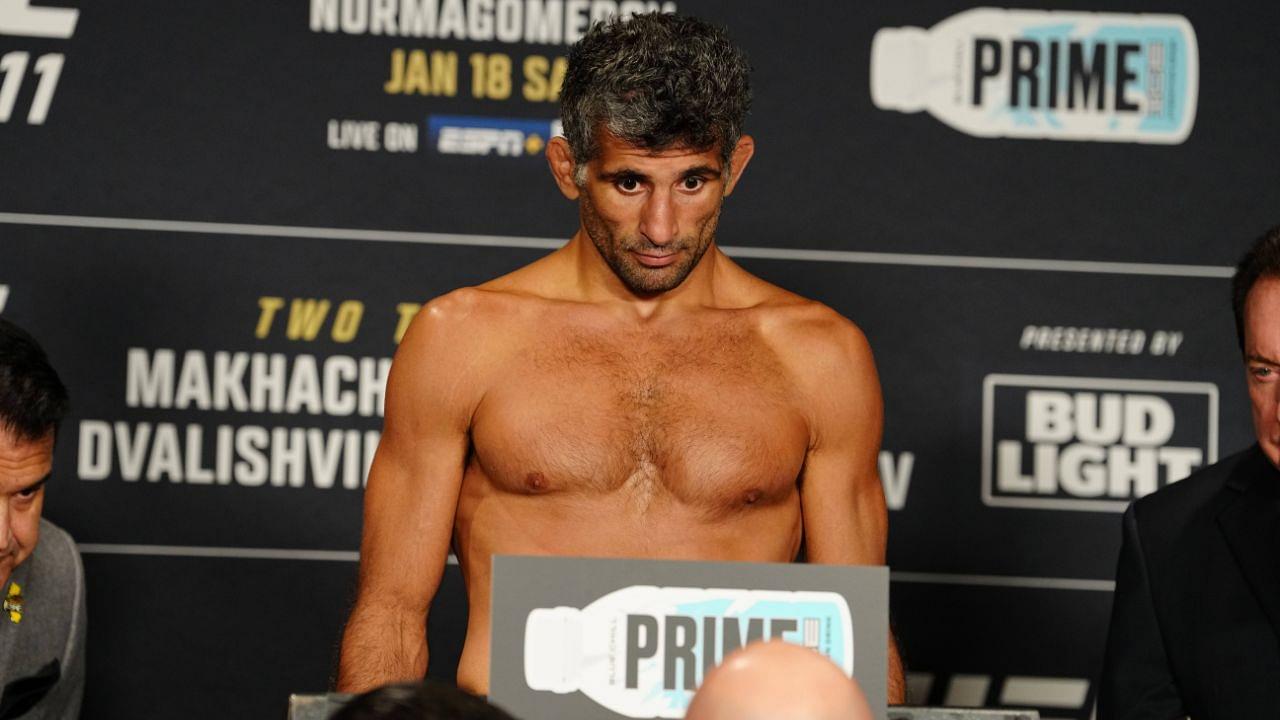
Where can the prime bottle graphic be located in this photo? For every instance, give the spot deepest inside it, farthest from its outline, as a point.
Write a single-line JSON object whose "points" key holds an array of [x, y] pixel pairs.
{"points": [[641, 651], [1047, 74]]}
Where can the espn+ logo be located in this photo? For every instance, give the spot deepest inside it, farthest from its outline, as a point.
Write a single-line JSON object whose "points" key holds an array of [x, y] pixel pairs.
{"points": [[1091, 444]]}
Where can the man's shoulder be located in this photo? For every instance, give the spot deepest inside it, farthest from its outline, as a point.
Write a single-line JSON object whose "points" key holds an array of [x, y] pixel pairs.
{"points": [[458, 340], [468, 313], [53, 579], [56, 555], [1199, 493], [809, 329], [825, 353], [466, 302]]}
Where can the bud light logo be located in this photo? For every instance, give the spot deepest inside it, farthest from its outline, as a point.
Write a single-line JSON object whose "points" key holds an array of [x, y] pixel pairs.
{"points": [[1091, 444]]}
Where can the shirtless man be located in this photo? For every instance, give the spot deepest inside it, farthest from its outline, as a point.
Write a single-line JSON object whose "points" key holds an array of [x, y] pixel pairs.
{"points": [[635, 393]]}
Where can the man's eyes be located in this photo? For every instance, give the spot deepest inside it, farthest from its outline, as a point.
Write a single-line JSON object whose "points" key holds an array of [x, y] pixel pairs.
{"points": [[28, 493], [1263, 372], [632, 185]]}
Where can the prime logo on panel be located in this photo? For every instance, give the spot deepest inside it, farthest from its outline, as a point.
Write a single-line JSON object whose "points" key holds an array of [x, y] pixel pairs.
{"points": [[1057, 75], [1092, 444]]}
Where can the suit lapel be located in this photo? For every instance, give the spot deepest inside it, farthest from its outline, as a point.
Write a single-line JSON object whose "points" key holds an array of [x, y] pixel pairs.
{"points": [[1251, 524], [22, 694]]}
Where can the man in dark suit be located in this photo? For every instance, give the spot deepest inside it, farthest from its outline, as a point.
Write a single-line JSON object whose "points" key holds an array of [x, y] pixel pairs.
{"points": [[1195, 625], [42, 613]]}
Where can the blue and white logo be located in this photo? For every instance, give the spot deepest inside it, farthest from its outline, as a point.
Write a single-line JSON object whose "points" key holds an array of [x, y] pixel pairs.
{"points": [[1046, 74], [477, 135]]}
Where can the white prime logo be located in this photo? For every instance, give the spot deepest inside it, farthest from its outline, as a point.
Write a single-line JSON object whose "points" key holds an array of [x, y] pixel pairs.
{"points": [[1091, 444], [1058, 75]]}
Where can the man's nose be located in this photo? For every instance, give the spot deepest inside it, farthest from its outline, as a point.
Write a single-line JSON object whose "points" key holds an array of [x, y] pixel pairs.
{"points": [[6, 526], [658, 218]]}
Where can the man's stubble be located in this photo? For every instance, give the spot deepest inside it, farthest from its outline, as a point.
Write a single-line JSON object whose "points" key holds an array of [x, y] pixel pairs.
{"points": [[639, 279]]}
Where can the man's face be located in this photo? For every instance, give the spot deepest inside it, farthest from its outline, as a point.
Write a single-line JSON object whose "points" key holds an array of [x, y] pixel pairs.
{"points": [[1262, 362], [24, 468], [652, 215]]}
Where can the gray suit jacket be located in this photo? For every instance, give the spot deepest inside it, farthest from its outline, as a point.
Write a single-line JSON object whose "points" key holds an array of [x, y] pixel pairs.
{"points": [[42, 657]]}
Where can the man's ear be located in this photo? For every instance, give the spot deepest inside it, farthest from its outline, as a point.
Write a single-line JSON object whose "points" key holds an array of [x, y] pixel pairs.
{"points": [[560, 159], [742, 153]]}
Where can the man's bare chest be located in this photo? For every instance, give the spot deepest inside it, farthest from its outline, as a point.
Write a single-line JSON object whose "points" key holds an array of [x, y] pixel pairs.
{"points": [[707, 417]]}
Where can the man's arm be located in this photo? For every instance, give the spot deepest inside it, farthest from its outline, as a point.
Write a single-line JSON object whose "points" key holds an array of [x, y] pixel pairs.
{"points": [[846, 520], [1136, 680], [411, 496]]}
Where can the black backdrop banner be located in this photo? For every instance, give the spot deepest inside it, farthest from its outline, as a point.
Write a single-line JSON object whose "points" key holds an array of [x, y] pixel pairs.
{"points": [[219, 216]]}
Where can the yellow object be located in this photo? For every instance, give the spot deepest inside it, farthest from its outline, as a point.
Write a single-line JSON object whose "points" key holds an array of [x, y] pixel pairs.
{"points": [[13, 603]]}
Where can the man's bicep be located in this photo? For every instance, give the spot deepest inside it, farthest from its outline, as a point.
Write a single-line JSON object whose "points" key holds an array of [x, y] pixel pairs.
{"points": [[417, 471], [845, 517], [408, 519]]}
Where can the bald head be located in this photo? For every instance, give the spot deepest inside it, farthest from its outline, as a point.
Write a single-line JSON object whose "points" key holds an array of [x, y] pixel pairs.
{"points": [[777, 680]]}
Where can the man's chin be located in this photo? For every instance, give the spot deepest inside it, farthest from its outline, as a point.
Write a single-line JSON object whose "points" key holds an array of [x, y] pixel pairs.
{"points": [[649, 281]]}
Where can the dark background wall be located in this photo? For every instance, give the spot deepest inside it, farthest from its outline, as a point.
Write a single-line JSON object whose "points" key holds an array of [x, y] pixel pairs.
{"points": [[192, 172]]}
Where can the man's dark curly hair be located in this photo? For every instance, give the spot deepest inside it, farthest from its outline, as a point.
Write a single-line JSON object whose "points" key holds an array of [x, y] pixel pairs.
{"points": [[1262, 260], [427, 700], [655, 81], [33, 399]]}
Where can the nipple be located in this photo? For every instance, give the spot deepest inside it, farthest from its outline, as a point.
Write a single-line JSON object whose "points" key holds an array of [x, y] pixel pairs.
{"points": [[535, 482]]}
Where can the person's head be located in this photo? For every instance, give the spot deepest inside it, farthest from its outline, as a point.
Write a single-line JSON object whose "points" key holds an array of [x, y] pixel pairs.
{"points": [[33, 402], [777, 680], [428, 700], [653, 110], [656, 81], [1255, 299]]}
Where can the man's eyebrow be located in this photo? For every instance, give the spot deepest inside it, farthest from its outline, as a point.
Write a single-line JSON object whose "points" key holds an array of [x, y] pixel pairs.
{"points": [[621, 173], [702, 171], [37, 484], [1254, 357]]}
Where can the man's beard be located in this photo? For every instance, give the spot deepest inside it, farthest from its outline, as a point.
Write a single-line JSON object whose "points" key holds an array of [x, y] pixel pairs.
{"points": [[639, 279]]}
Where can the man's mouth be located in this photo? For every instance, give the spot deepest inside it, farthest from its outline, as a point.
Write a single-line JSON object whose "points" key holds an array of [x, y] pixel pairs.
{"points": [[655, 260]]}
